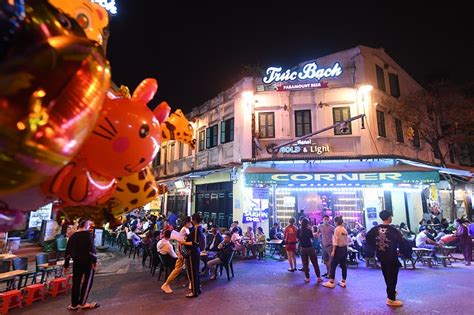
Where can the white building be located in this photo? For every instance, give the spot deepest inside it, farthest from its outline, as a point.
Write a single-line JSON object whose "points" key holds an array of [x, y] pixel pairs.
{"points": [[355, 170]]}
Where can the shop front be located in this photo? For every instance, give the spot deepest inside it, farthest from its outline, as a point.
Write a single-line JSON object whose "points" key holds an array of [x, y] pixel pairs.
{"points": [[356, 190]]}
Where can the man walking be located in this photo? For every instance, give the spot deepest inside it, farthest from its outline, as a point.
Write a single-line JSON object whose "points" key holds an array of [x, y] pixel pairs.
{"points": [[386, 239], [327, 231], [80, 247]]}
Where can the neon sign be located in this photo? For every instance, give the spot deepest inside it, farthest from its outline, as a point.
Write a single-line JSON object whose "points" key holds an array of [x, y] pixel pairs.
{"points": [[309, 71], [109, 5], [305, 146], [342, 179]]}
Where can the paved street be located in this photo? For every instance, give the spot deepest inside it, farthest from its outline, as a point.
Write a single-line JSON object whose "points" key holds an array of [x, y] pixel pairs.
{"points": [[265, 287]]}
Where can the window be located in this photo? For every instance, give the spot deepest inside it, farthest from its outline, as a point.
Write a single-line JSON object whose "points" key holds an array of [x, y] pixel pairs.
{"points": [[302, 122], [266, 124], [180, 150], [201, 140], [394, 86], [380, 78], [381, 124], [172, 149], [340, 114], [399, 130], [416, 138], [227, 130], [211, 136]]}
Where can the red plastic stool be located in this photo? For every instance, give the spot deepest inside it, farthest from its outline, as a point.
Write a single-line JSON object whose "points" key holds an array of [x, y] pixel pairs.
{"points": [[69, 281], [56, 286], [11, 299], [34, 292]]}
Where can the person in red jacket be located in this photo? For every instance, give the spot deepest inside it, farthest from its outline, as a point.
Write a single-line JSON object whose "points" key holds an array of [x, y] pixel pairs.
{"points": [[290, 243]]}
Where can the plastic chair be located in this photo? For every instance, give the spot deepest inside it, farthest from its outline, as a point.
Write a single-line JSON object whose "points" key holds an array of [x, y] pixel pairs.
{"points": [[133, 249], [21, 263], [228, 265], [11, 299], [167, 265], [155, 261], [5, 265], [33, 293], [61, 243]]}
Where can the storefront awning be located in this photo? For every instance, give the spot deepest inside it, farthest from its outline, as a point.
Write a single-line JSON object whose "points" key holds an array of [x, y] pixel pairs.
{"points": [[357, 174]]}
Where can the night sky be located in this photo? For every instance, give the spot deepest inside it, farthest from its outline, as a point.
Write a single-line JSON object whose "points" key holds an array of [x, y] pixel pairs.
{"points": [[197, 51]]}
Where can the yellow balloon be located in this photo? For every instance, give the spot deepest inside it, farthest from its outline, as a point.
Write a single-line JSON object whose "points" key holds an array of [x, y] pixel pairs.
{"points": [[177, 127], [91, 17], [135, 191]]}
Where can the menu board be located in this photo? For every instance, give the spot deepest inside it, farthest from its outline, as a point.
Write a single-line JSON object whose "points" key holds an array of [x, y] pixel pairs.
{"points": [[37, 217]]}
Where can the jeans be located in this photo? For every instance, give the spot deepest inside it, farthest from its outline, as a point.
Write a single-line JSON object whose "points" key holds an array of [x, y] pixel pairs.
{"points": [[340, 258], [308, 254]]}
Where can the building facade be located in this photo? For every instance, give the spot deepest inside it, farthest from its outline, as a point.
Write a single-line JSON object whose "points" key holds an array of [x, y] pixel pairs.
{"points": [[275, 145]]}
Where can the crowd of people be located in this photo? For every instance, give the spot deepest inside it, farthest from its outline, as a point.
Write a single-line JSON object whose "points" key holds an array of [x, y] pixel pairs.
{"points": [[330, 238]]}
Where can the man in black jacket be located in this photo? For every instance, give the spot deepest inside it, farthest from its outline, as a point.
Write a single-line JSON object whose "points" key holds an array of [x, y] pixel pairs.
{"points": [[80, 247], [216, 240], [386, 240], [225, 250]]}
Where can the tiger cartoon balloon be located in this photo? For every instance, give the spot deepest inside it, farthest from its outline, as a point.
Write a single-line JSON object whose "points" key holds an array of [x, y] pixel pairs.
{"points": [[124, 141]]}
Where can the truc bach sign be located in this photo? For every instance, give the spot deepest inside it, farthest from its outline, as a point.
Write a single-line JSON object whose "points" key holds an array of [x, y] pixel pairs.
{"points": [[310, 71]]}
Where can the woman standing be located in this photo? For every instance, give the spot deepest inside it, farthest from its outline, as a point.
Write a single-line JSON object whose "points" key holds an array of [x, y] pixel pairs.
{"points": [[464, 239], [338, 254], [305, 236], [194, 242], [290, 243]]}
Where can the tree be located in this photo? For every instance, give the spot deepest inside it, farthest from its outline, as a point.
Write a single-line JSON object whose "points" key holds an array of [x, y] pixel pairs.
{"points": [[442, 116]]}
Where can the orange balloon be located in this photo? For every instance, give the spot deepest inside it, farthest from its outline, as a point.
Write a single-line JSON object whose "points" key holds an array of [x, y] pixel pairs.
{"points": [[75, 185], [177, 127], [126, 137]]}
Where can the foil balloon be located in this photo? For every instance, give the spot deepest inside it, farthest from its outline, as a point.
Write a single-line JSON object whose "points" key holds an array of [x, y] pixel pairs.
{"points": [[90, 16], [26, 200], [52, 85], [75, 185], [136, 190], [11, 220], [177, 127], [127, 135]]}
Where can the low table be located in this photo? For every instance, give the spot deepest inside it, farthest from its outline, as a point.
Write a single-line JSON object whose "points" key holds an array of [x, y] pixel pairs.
{"points": [[7, 256], [12, 274]]}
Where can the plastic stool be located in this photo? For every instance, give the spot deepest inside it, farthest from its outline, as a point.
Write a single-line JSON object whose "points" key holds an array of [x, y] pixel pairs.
{"points": [[56, 286], [11, 299], [34, 292]]}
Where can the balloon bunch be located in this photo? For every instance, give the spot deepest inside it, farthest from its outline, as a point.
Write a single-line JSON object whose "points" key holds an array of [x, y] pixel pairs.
{"points": [[64, 134]]}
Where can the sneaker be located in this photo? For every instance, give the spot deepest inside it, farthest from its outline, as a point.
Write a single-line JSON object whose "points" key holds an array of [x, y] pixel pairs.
{"points": [[306, 280], [291, 270], [325, 275], [342, 283], [301, 269], [166, 288], [395, 303], [329, 284], [320, 280]]}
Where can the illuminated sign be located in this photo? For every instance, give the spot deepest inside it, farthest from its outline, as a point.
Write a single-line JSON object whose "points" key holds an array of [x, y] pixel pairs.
{"points": [[255, 215], [301, 86], [305, 146], [109, 5], [342, 179], [309, 71]]}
